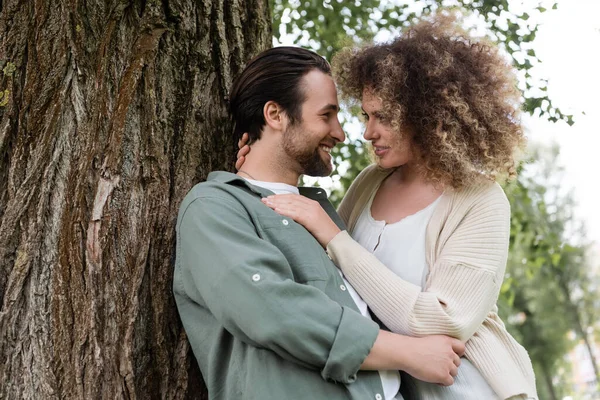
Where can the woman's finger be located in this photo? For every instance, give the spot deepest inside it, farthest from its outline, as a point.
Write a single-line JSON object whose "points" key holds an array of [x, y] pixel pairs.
{"points": [[291, 199], [243, 141], [241, 156], [288, 205], [242, 152], [239, 162], [287, 212]]}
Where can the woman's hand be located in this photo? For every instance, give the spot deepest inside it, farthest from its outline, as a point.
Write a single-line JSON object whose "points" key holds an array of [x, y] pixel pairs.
{"points": [[243, 151], [306, 212]]}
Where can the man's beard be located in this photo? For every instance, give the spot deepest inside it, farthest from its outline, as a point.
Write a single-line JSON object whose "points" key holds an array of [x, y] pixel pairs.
{"points": [[309, 160]]}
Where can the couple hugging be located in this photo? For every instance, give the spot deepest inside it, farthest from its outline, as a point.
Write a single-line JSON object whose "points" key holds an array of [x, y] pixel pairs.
{"points": [[394, 295]]}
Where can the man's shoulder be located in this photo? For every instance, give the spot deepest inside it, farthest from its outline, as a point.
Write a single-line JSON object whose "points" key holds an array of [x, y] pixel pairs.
{"points": [[209, 193], [219, 185], [216, 193], [208, 189]]}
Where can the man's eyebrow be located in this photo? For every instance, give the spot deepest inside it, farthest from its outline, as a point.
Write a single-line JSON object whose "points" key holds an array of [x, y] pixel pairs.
{"points": [[329, 107]]}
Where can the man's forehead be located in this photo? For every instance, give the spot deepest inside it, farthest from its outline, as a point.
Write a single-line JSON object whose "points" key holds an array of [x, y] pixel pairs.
{"points": [[319, 87], [317, 79]]}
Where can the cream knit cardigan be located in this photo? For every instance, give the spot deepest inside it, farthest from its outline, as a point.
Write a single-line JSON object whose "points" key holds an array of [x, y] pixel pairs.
{"points": [[466, 250]]}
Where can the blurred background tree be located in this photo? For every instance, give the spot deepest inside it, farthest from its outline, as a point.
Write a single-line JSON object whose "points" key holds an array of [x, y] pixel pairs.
{"points": [[549, 290], [327, 26]]}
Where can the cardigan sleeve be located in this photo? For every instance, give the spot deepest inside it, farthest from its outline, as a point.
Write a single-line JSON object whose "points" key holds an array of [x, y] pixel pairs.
{"points": [[463, 284]]}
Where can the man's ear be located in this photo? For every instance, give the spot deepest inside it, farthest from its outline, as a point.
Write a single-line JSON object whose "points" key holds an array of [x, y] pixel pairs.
{"points": [[274, 115]]}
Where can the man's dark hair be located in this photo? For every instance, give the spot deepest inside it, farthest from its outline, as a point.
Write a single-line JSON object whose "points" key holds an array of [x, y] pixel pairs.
{"points": [[273, 75]]}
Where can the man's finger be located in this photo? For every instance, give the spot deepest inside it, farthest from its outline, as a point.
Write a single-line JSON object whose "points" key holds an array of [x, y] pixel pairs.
{"points": [[458, 347], [448, 381], [454, 371], [456, 360]]}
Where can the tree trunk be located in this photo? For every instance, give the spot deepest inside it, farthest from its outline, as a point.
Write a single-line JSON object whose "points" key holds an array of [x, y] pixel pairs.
{"points": [[548, 381], [110, 111], [580, 329]]}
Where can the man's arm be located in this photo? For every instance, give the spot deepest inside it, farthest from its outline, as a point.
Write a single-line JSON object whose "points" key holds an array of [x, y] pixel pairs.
{"points": [[248, 285], [432, 359]]}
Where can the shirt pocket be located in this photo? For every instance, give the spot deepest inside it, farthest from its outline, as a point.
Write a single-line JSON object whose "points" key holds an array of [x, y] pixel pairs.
{"points": [[306, 257]]}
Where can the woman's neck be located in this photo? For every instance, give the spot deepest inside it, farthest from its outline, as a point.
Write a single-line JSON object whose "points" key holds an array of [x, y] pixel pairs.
{"points": [[409, 174]]}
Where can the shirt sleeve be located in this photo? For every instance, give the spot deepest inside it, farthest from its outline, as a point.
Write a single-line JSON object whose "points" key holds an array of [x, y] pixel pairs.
{"points": [[462, 288], [247, 284]]}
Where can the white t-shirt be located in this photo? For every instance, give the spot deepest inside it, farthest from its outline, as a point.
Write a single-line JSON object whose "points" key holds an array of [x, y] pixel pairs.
{"points": [[390, 380], [401, 247]]}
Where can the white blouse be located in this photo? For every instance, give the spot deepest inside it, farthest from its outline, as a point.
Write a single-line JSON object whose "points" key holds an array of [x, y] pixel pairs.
{"points": [[401, 247]]}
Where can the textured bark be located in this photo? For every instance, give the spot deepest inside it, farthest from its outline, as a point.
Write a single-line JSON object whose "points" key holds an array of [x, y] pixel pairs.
{"points": [[110, 112]]}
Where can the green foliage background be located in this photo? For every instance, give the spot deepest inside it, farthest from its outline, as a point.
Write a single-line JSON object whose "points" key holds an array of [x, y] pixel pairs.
{"points": [[548, 299]]}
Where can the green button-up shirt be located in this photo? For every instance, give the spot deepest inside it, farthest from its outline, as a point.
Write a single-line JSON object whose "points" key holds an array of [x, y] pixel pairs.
{"points": [[264, 308]]}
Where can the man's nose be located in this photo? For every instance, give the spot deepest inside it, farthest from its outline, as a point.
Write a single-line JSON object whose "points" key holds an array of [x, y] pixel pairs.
{"points": [[338, 133]]}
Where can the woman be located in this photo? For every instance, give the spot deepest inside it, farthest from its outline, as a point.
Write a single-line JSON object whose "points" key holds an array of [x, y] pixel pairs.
{"points": [[428, 228]]}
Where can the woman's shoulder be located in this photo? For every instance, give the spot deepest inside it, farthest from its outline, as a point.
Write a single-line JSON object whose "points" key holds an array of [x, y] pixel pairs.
{"points": [[359, 192], [483, 193], [369, 172], [370, 176]]}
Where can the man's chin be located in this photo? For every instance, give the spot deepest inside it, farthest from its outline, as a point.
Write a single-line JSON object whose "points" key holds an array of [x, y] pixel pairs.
{"points": [[319, 172]]}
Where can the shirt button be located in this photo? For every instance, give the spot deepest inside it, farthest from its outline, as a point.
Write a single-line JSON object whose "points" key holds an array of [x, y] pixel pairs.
{"points": [[343, 287], [378, 397], [285, 222], [256, 277]]}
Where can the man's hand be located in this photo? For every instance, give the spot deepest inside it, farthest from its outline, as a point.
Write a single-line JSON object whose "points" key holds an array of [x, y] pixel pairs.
{"points": [[432, 359]]}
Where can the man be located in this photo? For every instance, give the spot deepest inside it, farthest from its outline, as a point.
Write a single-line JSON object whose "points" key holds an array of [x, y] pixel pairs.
{"points": [[267, 313]]}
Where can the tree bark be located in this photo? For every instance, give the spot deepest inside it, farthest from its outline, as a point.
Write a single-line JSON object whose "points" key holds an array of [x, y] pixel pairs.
{"points": [[110, 111]]}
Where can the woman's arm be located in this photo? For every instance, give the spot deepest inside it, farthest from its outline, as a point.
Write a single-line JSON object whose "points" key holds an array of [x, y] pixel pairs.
{"points": [[462, 288], [466, 277]]}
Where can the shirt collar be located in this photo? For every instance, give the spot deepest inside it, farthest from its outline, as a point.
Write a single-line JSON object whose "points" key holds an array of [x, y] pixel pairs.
{"points": [[233, 179]]}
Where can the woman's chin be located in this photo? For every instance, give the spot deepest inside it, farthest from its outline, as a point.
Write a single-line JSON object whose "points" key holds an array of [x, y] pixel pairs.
{"points": [[385, 164]]}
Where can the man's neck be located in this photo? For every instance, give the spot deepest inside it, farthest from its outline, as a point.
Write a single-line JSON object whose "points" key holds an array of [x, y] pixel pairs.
{"points": [[265, 168]]}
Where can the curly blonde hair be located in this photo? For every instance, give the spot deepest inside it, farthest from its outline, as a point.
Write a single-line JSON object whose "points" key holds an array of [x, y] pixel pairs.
{"points": [[459, 96]]}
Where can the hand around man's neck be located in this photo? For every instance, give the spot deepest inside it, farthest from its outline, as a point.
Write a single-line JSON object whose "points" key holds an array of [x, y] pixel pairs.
{"points": [[268, 165]]}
